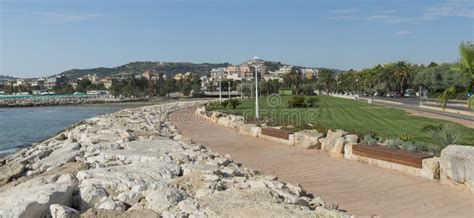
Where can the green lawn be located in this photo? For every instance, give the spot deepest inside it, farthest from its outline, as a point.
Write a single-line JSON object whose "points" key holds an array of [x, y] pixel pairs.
{"points": [[352, 116]]}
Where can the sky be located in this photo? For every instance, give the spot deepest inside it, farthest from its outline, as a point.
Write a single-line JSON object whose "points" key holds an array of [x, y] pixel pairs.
{"points": [[46, 37]]}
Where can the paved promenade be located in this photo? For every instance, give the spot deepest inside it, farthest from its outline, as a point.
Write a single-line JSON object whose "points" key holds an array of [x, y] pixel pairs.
{"points": [[359, 188]]}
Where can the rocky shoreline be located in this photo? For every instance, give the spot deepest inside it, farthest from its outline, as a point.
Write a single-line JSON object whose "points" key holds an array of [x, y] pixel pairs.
{"points": [[134, 163], [59, 100]]}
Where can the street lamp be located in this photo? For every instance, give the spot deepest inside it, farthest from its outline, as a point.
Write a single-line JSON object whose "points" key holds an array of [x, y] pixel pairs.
{"points": [[220, 88], [256, 88], [241, 89], [228, 90]]}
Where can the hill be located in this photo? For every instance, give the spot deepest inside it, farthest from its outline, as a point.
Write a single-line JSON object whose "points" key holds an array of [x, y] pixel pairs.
{"points": [[168, 68]]}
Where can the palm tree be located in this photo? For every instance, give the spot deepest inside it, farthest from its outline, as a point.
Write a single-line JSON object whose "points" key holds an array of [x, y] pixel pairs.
{"points": [[402, 71], [326, 79], [466, 51]]}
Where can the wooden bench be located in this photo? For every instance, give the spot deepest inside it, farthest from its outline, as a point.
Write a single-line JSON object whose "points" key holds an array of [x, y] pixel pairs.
{"points": [[390, 154], [278, 133]]}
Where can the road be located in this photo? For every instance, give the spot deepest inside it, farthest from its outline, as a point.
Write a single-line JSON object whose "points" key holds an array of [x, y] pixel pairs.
{"points": [[412, 105]]}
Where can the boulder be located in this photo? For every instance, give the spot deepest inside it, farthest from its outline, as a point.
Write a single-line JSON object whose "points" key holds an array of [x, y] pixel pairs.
{"points": [[130, 197], [457, 166], [142, 213], [337, 149], [308, 139], [91, 195], [64, 154], [332, 136], [61, 211], [10, 171], [246, 129], [351, 139], [256, 131], [34, 197], [236, 121]]}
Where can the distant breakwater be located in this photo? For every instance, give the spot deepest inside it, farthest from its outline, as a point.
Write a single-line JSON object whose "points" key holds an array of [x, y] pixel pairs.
{"points": [[63, 100]]}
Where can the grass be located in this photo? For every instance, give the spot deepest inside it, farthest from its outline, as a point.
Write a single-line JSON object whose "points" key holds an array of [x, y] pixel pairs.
{"points": [[352, 116]]}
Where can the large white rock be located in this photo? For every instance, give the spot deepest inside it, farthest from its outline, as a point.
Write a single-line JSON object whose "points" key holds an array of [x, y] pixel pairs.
{"points": [[457, 166], [34, 197], [308, 139], [64, 154], [330, 141], [61, 211]]}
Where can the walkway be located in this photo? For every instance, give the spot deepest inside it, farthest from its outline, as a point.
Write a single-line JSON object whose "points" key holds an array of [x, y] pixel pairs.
{"points": [[360, 189]]}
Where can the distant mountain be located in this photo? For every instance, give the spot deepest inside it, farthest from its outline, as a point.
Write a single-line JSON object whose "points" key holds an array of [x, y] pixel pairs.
{"points": [[168, 68], [6, 78]]}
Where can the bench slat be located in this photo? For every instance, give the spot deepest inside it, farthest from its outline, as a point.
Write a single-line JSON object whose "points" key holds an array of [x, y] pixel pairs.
{"points": [[278, 133], [392, 155]]}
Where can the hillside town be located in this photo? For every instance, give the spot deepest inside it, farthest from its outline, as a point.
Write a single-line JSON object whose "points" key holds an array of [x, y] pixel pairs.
{"points": [[92, 84]]}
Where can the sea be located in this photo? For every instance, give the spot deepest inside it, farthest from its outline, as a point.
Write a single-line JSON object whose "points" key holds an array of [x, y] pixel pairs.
{"points": [[20, 127]]}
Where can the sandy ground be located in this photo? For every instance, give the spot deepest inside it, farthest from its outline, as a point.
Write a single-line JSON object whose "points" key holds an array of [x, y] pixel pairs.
{"points": [[360, 189]]}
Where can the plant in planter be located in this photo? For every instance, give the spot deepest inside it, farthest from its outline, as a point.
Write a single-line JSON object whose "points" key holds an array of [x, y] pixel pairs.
{"points": [[225, 103], [312, 102], [234, 103], [370, 139], [297, 102], [446, 134], [394, 143]]}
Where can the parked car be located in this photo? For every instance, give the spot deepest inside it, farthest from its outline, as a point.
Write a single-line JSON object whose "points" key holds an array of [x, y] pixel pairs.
{"points": [[378, 94], [410, 93], [393, 95]]}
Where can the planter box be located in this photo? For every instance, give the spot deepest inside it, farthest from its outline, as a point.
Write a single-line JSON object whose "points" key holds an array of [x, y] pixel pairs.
{"points": [[391, 155], [277, 133]]}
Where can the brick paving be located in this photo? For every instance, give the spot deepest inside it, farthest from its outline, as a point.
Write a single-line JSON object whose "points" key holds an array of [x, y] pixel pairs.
{"points": [[359, 188]]}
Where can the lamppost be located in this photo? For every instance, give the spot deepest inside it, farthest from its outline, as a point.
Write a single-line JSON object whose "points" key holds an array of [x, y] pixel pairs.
{"points": [[241, 89], [220, 88], [256, 88], [228, 90]]}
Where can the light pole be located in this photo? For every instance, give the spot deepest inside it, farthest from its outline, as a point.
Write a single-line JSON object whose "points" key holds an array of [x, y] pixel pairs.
{"points": [[256, 88], [220, 88], [228, 90], [241, 89]]}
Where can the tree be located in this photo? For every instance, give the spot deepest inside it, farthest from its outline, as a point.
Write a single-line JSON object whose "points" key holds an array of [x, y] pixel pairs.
{"points": [[293, 80], [466, 51], [225, 103], [326, 79], [401, 72], [433, 64], [234, 102]]}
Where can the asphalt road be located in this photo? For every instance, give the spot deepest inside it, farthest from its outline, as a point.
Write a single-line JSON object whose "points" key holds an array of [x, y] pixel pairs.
{"points": [[413, 103]]}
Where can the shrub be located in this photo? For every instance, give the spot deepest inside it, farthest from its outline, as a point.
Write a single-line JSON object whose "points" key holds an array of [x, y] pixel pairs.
{"points": [[213, 106], [225, 103], [394, 143], [234, 102], [409, 146], [431, 128], [312, 102], [370, 139], [297, 102], [447, 134]]}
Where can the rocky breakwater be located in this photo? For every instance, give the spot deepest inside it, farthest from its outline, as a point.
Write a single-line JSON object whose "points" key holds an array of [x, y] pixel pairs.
{"points": [[63, 100], [134, 163]]}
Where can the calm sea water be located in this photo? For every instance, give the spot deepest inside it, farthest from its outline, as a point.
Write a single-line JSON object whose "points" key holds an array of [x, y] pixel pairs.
{"points": [[20, 127]]}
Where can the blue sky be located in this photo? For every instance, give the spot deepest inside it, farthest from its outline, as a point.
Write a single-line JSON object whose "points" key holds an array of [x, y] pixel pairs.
{"points": [[44, 37]]}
